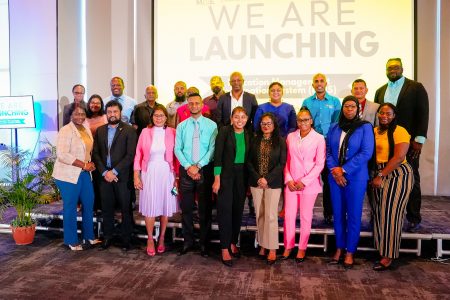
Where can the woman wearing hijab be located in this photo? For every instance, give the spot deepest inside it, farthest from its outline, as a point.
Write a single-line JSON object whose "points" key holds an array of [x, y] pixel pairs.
{"points": [[350, 146]]}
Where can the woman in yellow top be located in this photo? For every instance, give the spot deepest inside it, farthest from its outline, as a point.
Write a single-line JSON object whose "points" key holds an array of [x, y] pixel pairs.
{"points": [[392, 185]]}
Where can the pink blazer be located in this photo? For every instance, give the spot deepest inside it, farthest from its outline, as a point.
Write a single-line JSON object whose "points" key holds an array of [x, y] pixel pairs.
{"points": [[305, 160], [145, 144]]}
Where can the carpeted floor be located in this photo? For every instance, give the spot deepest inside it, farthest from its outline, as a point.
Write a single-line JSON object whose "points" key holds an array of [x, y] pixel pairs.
{"points": [[48, 270]]}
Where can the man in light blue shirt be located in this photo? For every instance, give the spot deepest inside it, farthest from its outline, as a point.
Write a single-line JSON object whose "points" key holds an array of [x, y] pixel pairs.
{"points": [[194, 148], [324, 110], [128, 103]]}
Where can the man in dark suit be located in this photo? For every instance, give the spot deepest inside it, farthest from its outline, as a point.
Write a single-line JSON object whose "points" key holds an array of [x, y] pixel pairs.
{"points": [[113, 155], [236, 97], [411, 100], [142, 113]]}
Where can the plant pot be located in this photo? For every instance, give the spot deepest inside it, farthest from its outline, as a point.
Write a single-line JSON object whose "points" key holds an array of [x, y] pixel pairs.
{"points": [[23, 235]]}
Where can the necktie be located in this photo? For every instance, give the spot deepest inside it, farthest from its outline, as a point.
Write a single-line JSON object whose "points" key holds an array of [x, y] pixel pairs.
{"points": [[360, 111], [196, 144]]}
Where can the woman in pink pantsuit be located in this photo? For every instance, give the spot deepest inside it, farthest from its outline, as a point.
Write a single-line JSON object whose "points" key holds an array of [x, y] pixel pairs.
{"points": [[305, 161]]}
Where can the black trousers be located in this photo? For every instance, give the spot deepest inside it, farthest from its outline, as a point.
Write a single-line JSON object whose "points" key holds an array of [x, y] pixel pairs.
{"points": [[188, 189], [415, 198], [230, 206], [112, 193], [326, 194]]}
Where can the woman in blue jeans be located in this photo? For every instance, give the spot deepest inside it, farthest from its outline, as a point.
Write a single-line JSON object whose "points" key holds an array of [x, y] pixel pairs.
{"points": [[72, 176], [350, 146]]}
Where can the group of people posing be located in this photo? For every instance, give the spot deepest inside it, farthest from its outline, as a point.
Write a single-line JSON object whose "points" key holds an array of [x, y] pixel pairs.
{"points": [[226, 145]]}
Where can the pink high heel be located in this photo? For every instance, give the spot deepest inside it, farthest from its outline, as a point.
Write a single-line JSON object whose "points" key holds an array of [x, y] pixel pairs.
{"points": [[150, 251]]}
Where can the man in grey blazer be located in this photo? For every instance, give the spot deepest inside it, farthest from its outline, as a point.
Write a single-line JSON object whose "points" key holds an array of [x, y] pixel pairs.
{"points": [[368, 108], [236, 97]]}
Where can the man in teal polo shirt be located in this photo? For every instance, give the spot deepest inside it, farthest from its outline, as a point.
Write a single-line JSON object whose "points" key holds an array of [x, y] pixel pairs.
{"points": [[325, 111]]}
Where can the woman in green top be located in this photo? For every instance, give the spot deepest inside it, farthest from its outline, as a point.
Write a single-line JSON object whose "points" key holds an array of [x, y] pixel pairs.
{"points": [[232, 144]]}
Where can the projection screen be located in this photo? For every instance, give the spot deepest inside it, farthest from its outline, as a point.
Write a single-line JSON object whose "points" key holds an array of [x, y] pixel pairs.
{"points": [[285, 41]]}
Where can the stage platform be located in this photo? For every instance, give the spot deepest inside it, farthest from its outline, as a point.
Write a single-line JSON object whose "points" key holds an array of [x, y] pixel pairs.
{"points": [[435, 226]]}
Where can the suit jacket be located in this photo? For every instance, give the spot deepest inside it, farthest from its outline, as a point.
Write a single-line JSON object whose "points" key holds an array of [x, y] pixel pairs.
{"points": [[69, 147], [123, 148], [277, 161], [145, 144], [412, 107], [359, 152], [305, 160], [223, 111], [225, 150], [370, 112]]}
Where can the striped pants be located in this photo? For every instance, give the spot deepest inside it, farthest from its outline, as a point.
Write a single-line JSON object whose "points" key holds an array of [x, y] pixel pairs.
{"points": [[390, 204]]}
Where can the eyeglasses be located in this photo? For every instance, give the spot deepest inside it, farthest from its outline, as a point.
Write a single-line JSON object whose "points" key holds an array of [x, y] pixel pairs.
{"points": [[159, 116], [266, 123], [303, 120], [78, 93]]}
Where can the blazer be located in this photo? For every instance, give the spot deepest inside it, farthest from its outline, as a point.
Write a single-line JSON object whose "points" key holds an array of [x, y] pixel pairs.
{"points": [[223, 111], [145, 144], [360, 149], [122, 150], [69, 147], [277, 161], [370, 112], [412, 107], [225, 150], [305, 160]]}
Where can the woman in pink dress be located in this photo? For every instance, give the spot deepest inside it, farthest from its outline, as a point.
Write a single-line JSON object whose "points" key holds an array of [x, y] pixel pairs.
{"points": [[305, 161], [95, 113], [154, 175]]}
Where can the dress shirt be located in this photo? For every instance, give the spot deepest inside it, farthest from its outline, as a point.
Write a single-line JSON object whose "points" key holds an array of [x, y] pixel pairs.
{"points": [[184, 113], [128, 105], [324, 112], [236, 102], [285, 113], [111, 132], [393, 90], [211, 102], [183, 141]]}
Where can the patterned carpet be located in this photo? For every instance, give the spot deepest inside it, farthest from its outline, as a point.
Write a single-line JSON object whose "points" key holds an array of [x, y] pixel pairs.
{"points": [[48, 270]]}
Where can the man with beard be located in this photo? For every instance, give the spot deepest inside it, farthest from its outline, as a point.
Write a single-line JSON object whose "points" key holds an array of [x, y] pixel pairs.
{"points": [[113, 155], [180, 98], [128, 103], [78, 98], [194, 148], [411, 100], [142, 112], [236, 97], [325, 110], [216, 85]]}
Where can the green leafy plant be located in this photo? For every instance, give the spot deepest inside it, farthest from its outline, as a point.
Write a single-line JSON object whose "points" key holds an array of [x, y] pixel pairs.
{"points": [[43, 168], [20, 189]]}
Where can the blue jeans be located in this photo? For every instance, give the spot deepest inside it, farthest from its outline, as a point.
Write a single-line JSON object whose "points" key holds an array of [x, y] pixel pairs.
{"points": [[71, 193]]}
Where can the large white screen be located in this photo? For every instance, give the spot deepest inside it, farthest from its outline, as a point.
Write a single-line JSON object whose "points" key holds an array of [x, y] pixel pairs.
{"points": [[286, 41]]}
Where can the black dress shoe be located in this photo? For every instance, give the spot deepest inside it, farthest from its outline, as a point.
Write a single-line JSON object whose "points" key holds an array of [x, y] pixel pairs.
{"points": [[126, 246], [333, 261], [236, 254], [380, 267], [227, 262], [184, 250], [271, 261], [348, 266], [204, 252], [299, 259], [106, 244]]}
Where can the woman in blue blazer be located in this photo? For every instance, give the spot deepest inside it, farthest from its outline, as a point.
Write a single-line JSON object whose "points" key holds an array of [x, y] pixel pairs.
{"points": [[350, 146]]}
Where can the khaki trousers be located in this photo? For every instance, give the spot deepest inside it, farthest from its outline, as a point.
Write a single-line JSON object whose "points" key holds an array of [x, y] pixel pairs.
{"points": [[266, 206]]}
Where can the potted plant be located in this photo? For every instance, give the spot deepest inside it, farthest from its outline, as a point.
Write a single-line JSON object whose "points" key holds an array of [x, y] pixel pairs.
{"points": [[43, 168], [20, 191]]}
